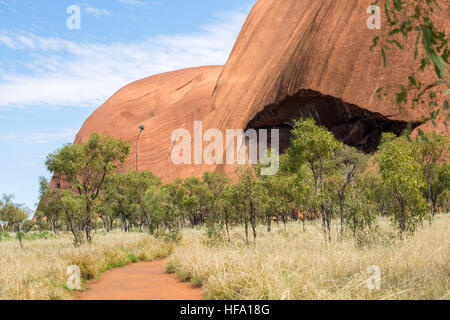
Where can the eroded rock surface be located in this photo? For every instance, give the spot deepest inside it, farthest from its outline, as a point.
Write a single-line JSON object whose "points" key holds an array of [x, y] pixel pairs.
{"points": [[293, 58]]}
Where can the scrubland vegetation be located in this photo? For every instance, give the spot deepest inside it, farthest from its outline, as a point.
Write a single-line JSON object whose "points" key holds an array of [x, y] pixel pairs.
{"points": [[39, 270], [292, 263], [308, 232]]}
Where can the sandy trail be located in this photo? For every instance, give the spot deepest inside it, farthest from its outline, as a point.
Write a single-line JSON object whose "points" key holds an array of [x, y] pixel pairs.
{"points": [[141, 281]]}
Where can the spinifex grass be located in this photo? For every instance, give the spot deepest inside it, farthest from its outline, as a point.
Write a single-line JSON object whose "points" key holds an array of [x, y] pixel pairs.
{"points": [[40, 270], [290, 263]]}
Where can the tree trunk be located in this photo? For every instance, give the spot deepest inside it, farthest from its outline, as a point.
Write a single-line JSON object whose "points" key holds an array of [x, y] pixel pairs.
{"points": [[246, 231], [402, 221], [253, 221], [341, 206], [19, 235], [226, 225]]}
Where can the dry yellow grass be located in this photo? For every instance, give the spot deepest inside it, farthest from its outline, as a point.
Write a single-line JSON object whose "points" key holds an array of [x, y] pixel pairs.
{"points": [[293, 264], [39, 271]]}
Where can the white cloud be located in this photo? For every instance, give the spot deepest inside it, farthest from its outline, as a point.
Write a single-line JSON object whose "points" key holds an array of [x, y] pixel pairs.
{"points": [[98, 13], [7, 41], [67, 73], [63, 135]]}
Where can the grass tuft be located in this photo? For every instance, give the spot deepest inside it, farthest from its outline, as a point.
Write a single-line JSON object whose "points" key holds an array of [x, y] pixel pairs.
{"points": [[290, 263], [39, 272]]}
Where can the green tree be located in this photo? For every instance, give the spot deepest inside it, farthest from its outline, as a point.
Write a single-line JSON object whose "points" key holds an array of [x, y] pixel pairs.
{"points": [[49, 207], [249, 194], [313, 145], [347, 162], [433, 149], [215, 183], [402, 174], [196, 200], [172, 206], [124, 194], [440, 188], [74, 207], [227, 205], [13, 216], [360, 212], [85, 166], [370, 184], [152, 208]]}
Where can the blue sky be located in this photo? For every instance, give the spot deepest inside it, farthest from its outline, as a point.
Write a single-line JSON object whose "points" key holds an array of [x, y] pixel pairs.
{"points": [[52, 78]]}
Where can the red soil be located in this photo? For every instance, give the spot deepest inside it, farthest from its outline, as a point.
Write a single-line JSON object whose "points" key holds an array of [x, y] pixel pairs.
{"points": [[141, 281]]}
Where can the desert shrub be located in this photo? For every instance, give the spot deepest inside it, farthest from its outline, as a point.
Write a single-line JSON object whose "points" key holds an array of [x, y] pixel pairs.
{"points": [[4, 236]]}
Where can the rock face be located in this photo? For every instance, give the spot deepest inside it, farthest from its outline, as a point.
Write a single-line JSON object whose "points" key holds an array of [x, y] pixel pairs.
{"points": [[161, 103], [293, 58]]}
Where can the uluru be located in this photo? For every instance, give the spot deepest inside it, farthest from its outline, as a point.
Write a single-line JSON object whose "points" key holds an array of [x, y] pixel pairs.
{"points": [[230, 150], [292, 59]]}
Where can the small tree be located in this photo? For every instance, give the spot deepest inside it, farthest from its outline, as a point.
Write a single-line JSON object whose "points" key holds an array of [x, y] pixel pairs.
{"points": [[215, 183], [13, 216], [314, 146], [433, 149], [250, 195], [49, 204], [402, 174], [73, 207], [171, 200], [347, 162], [440, 188], [152, 208], [123, 195], [84, 167], [360, 212], [226, 205]]}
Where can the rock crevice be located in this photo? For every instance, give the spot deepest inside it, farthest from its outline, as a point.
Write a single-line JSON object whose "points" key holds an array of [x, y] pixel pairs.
{"points": [[349, 123]]}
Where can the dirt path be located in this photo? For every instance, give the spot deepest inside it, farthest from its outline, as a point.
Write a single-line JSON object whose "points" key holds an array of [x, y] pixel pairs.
{"points": [[141, 281]]}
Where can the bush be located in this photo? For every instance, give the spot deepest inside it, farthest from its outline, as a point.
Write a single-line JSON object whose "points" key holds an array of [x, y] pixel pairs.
{"points": [[215, 234], [35, 235], [4, 236]]}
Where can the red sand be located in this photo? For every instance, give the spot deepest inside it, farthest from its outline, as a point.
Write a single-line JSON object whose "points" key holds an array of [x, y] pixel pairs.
{"points": [[141, 281]]}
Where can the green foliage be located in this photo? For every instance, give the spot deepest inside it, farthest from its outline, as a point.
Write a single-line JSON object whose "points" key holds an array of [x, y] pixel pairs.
{"points": [[13, 216], [319, 177], [50, 207], [313, 146], [360, 212], [34, 235], [5, 236], [214, 232], [407, 19], [85, 167], [401, 173], [433, 156], [124, 197]]}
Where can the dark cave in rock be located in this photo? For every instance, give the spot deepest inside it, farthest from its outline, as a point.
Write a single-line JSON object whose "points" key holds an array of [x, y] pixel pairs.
{"points": [[355, 126]]}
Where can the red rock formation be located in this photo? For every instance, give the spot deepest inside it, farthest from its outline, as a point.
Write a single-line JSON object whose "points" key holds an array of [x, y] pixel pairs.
{"points": [[161, 103], [292, 58], [312, 58]]}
